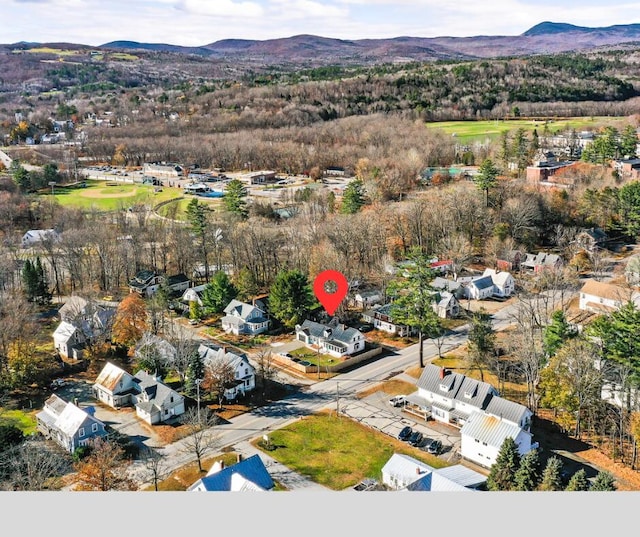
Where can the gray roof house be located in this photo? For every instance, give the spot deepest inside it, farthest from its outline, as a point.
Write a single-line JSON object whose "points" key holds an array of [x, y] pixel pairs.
{"points": [[479, 288], [448, 396], [541, 261], [93, 317], [68, 425], [404, 473], [334, 338], [247, 475], [151, 344], [382, 319], [154, 401], [243, 318], [69, 341]]}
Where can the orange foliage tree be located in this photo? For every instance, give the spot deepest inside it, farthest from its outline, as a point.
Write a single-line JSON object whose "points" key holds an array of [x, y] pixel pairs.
{"points": [[104, 468], [130, 321]]}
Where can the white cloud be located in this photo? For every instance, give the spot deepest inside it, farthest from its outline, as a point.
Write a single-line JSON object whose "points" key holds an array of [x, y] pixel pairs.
{"points": [[222, 8], [298, 9]]}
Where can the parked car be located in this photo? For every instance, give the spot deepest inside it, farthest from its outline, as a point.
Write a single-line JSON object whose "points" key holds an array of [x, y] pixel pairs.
{"points": [[405, 433], [397, 400], [286, 355], [435, 447], [416, 438]]}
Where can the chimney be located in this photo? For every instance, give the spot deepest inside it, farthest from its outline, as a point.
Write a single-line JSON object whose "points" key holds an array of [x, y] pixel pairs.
{"points": [[239, 457], [442, 372], [418, 470]]}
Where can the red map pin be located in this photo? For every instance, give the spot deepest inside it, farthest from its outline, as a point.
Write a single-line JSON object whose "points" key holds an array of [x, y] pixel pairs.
{"points": [[330, 301]]}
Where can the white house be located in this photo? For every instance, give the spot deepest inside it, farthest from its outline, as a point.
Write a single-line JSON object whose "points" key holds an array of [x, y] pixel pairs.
{"points": [[366, 299], [482, 436], [153, 400], [243, 318], [193, 294], [334, 338], [503, 283], [69, 340], [380, 317], [402, 472], [36, 236], [602, 297], [446, 305], [478, 288], [244, 373]]}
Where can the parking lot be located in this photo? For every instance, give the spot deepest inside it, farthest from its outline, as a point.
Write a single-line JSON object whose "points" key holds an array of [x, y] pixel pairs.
{"points": [[376, 412]]}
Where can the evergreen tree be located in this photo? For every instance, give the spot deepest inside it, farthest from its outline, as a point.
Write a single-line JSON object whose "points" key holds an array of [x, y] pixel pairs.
{"points": [[43, 296], [482, 341], [218, 293], [291, 298], [195, 371], [628, 142], [603, 482], [556, 333], [502, 474], [578, 482], [353, 197], [234, 196], [552, 475], [196, 214], [30, 280], [21, 177], [245, 283], [487, 177], [195, 310], [413, 298], [528, 474]]}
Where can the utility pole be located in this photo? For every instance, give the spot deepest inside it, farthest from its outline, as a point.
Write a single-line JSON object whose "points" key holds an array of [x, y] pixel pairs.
{"points": [[198, 381]]}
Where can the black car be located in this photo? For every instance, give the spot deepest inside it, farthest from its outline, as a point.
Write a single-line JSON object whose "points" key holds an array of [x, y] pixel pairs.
{"points": [[435, 447], [416, 438], [405, 433]]}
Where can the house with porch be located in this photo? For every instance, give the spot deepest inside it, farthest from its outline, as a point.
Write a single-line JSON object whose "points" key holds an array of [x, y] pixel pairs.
{"points": [[244, 374], [381, 319], [334, 338], [446, 305], [68, 425], [145, 282], [154, 401], [243, 318], [503, 282], [93, 317]]}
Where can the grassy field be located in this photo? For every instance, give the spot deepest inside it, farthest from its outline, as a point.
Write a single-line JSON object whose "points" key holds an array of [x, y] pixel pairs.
{"points": [[99, 196], [25, 421], [479, 130], [338, 452]]}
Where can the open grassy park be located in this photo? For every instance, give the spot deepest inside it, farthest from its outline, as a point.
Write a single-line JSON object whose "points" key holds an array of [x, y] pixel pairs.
{"points": [[468, 131], [111, 196]]}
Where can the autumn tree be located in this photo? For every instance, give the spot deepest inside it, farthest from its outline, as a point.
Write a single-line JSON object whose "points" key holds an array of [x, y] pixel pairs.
{"points": [[219, 375], [130, 320], [104, 468], [32, 465]]}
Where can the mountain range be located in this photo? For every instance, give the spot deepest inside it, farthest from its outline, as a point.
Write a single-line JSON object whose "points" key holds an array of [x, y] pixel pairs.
{"points": [[543, 38]]}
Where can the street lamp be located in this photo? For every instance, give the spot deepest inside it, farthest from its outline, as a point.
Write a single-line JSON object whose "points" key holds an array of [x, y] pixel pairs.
{"points": [[52, 184], [198, 382]]}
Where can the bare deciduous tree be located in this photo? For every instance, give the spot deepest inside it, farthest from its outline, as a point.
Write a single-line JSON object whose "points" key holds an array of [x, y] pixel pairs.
{"points": [[201, 437]]}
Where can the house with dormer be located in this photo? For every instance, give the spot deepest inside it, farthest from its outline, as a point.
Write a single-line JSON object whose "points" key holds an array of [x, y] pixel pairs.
{"points": [[243, 318], [503, 282], [382, 319], [69, 341], [145, 282], [154, 401], [248, 474], [334, 338], [244, 374], [68, 425]]}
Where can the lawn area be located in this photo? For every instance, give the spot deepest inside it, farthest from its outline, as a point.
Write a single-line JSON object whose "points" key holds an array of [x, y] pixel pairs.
{"points": [[25, 421], [338, 452], [98, 195], [474, 130], [177, 210]]}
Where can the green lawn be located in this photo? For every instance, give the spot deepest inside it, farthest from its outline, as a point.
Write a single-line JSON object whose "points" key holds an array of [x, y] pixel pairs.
{"points": [[470, 130], [338, 452], [25, 421], [98, 195]]}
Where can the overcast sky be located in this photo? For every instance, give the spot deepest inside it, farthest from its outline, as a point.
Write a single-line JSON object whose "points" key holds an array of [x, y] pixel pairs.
{"points": [[199, 22]]}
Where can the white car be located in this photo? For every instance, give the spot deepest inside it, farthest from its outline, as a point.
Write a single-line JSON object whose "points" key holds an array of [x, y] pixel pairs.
{"points": [[398, 400]]}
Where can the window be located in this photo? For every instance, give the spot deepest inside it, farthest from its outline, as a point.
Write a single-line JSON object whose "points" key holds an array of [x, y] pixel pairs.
{"points": [[94, 427], [81, 432]]}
